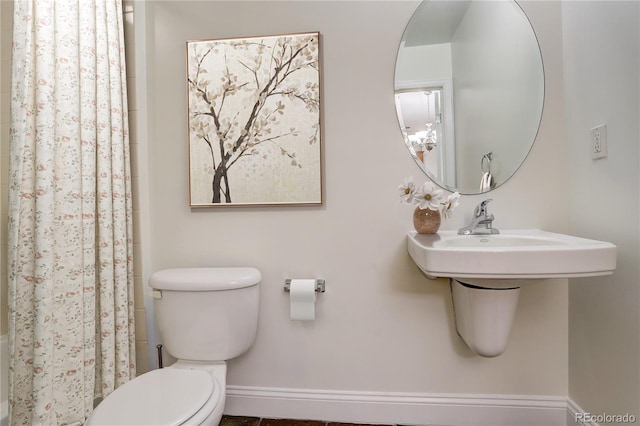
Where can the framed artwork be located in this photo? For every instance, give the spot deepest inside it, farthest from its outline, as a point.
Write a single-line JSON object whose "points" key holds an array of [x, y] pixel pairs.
{"points": [[254, 121]]}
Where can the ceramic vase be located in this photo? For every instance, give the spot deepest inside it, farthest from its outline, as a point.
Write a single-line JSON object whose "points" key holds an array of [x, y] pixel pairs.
{"points": [[426, 221]]}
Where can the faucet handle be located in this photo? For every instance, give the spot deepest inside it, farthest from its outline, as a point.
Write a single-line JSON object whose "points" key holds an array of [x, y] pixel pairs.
{"points": [[481, 208]]}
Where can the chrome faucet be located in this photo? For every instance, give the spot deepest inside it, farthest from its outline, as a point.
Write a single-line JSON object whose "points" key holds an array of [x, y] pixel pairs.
{"points": [[481, 222]]}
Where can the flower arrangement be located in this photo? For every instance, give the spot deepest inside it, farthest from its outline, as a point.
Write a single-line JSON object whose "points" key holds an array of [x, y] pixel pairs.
{"points": [[428, 198]]}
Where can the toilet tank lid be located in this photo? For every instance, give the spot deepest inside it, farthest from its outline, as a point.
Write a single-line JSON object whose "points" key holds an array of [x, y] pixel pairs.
{"points": [[204, 279]]}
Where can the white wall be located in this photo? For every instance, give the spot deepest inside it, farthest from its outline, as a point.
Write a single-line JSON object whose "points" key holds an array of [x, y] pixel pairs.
{"points": [[381, 325], [602, 57]]}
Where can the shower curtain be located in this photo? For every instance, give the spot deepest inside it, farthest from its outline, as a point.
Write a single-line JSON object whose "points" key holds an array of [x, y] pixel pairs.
{"points": [[70, 217]]}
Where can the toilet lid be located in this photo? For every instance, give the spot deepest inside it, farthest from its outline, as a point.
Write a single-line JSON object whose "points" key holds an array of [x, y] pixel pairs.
{"points": [[168, 396]]}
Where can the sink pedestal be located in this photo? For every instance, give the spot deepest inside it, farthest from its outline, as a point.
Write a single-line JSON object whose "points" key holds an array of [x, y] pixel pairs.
{"points": [[484, 316]]}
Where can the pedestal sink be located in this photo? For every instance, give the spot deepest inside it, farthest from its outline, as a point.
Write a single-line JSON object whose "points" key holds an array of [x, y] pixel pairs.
{"points": [[512, 254], [486, 272]]}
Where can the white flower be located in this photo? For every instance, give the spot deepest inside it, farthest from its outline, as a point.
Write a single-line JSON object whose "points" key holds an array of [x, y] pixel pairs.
{"points": [[451, 203], [429, 196], [407, 190]]}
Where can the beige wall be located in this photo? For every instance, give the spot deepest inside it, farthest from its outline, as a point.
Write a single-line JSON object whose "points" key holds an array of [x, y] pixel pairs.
{"points": [[602, 58], [381, 325]]}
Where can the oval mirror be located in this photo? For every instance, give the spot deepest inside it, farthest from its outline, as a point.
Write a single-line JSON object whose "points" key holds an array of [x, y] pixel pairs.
{"points": [[469, 91]]}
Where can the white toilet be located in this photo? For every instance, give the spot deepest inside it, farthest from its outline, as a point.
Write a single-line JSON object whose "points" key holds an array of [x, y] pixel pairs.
{"points": [[205, 317]]}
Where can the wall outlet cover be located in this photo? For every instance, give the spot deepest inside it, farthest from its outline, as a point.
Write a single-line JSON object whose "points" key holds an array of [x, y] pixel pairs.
{"points": [[599, 142]]}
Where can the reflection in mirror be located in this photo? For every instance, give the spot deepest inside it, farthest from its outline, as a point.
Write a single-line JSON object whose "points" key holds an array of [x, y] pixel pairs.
{"points": [[421, 113], [469, 88]]}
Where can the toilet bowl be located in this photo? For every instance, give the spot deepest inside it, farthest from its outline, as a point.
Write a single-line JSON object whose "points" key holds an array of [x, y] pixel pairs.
{"points": [[169, 396], [205, 316]]}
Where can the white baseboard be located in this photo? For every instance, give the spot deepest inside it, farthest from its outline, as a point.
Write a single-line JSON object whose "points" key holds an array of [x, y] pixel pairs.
{"points": [[575, 416], [398, 408]]}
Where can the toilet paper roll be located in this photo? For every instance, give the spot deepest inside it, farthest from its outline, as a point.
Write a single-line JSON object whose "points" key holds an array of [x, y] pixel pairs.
{"points": [[302, 302]]}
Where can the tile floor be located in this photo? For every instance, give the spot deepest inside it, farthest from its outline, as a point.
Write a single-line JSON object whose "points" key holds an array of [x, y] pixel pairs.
{"points": [[255, 421]]}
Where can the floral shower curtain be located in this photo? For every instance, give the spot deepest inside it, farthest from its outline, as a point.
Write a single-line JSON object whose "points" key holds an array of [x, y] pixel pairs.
{"points": [[70, 217]]}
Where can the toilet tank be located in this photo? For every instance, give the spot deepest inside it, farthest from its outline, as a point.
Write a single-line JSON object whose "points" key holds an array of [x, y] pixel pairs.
{"points": [[206, 314]]}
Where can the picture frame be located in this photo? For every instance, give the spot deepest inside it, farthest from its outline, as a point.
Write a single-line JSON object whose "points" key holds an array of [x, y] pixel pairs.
{"points": [[254, 121]]}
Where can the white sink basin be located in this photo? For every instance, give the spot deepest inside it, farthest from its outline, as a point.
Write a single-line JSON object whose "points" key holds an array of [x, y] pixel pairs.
{"points": [[512, 254]]}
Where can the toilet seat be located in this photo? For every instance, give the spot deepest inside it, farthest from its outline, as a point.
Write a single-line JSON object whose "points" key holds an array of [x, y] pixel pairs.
{"points": [[167, 396]]}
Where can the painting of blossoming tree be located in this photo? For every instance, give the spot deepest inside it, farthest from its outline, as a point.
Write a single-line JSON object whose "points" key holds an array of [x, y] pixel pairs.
{"points": [[254, 121]]}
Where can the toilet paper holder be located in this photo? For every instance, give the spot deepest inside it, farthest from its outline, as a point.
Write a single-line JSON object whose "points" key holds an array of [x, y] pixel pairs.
{"points": [[319, 285]]}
